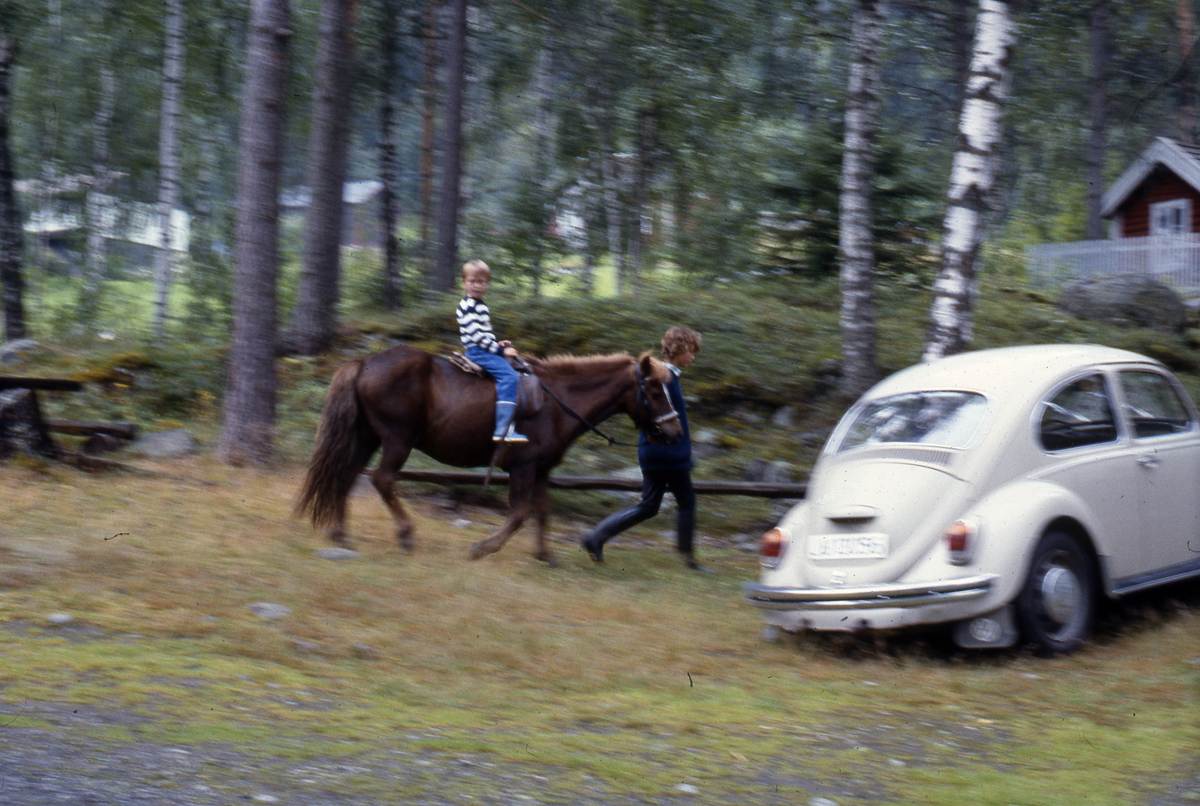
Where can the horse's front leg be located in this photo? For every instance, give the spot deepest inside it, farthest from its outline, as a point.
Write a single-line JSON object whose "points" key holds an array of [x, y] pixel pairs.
{"points": [[520, 490], [516, 517], [541, 514]]}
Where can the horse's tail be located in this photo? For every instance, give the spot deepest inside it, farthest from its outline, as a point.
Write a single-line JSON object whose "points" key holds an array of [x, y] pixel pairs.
{"points": [[343, 446]]}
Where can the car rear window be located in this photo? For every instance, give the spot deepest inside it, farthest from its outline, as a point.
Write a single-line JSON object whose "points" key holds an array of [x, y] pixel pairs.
{"points": [[946, 419]]}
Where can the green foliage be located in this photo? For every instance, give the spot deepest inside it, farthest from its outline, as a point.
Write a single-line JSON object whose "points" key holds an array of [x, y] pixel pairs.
{"points": [[803, 177]]}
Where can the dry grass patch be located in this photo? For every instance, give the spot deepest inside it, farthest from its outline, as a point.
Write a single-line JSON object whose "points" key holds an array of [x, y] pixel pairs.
{"points": [[626, 677]]}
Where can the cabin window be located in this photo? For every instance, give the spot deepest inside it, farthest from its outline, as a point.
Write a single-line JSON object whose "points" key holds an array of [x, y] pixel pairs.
{"points": [[1153, 405], [1080, 414], [1172, 217]]}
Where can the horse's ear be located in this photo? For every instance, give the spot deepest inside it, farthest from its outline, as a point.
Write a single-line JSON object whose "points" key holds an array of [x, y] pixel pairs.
{"points": [[652, 368]]}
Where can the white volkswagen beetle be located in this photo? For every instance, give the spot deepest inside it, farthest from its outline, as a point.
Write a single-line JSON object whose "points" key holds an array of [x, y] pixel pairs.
{"points": [[1002, 492]]}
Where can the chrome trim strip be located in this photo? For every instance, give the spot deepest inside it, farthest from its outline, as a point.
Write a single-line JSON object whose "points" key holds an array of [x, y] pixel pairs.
{"points": [[866, 598]]}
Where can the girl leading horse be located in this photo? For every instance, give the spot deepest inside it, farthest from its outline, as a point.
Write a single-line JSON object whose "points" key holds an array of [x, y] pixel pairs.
{"points": [[405, 398]]}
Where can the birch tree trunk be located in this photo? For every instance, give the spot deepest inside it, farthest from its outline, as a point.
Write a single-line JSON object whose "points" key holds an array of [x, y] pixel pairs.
{"points": [[855, 214], [1098, 97], [168, 159], [10, 218], [249, 408], [972, 179], [314, 316], [98, 199], [430, 92]]}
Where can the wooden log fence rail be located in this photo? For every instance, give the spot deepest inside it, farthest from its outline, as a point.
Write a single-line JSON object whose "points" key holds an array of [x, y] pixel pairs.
{"points": [[703, 487]]}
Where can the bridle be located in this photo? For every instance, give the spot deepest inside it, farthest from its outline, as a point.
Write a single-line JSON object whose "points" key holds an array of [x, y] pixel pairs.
{"points": [[656, 423], [643, 400]]}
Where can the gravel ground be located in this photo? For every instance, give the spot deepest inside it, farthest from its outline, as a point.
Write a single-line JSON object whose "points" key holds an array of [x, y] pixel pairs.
{"points": [[76, 763]]}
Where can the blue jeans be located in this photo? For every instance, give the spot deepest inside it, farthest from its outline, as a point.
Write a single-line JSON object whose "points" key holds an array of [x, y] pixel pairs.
{"points": [[654, 484], [498, 367]]}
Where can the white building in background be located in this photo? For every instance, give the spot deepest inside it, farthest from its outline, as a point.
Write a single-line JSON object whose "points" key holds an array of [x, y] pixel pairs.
{"points": [[58, 218]]}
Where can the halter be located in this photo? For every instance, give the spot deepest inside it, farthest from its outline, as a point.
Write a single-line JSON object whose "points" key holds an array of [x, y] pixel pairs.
{"points": [[643, 399]]}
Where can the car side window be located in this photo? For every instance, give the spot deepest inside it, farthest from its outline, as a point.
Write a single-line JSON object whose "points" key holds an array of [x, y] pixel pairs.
{"points": [[1079, 414], [1153, 406]]}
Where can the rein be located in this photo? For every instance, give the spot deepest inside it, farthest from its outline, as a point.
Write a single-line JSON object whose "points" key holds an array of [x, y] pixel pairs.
{"points": [[642, 398]]}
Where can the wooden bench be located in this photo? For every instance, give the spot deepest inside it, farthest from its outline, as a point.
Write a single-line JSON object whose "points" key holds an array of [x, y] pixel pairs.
{"points": [[23, 428]]}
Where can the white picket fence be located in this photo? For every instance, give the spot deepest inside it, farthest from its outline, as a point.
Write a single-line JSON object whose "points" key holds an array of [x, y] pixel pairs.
{"points": [[1174, 259]]}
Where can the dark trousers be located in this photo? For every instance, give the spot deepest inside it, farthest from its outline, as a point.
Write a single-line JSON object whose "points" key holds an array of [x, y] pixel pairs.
{"points": [[655, 484]]}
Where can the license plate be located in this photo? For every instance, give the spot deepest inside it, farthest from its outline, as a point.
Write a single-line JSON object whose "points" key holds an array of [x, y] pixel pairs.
{"points": [[848, 547]]}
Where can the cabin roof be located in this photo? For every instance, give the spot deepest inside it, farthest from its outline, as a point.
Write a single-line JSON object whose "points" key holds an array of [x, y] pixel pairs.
{"points": [[1182, 160]]}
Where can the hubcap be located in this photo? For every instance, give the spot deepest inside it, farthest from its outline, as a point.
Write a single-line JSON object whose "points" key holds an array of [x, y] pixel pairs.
{"points": [[1061, 594]]}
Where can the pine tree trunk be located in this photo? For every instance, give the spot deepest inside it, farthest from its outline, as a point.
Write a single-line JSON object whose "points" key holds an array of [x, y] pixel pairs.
{"points": [[614, 213], [430, 92], [389, 46], [249, 408], [543, 146], [1185, 17], [314, 316], [446, 265], [972, 180], [168, 159], [10, 217], [1099, 129], [855, 216]]}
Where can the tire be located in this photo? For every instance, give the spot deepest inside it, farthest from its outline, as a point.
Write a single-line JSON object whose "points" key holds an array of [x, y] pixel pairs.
{"points": [[1058, 600]]}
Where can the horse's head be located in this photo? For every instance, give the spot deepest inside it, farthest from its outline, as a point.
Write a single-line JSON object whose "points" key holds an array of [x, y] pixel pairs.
{"points": [[654, 413]]}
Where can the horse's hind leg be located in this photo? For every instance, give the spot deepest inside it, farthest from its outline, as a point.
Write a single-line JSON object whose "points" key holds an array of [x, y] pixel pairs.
{"points": [[384, 479]]}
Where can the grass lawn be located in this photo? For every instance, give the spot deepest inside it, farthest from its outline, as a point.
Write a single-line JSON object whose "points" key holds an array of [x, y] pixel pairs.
{"points": [[634, 678]]}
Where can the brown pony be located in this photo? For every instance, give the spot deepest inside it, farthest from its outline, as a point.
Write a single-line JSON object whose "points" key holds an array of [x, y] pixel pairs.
{"points": [[405, 398]]}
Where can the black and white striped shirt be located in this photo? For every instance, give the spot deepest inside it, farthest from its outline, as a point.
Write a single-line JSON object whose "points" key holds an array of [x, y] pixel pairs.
{"points": [[475, 325]]}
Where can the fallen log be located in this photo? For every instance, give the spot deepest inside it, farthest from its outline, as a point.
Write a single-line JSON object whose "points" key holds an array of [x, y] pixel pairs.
{"points": [[40, 384], [85, 428], [702, 487]]}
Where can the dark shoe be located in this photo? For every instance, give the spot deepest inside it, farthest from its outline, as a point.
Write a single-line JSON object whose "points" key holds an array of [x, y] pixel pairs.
{"points": [[691, 563], [594, 548]]}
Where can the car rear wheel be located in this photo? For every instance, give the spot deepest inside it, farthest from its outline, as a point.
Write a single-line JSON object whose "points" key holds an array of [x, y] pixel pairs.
{"points": [[1059, 596]]}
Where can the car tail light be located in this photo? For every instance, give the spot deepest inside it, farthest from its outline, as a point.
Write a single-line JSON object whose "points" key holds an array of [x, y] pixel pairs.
{"points": [[774, 544], [960, 538]]}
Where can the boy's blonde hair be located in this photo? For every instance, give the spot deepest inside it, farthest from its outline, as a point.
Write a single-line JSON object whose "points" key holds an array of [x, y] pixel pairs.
{"points": [[476, 267], [679, 340]]}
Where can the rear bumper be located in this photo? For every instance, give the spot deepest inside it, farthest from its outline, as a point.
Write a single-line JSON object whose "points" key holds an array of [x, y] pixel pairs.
{"points": [[889, 595], [876, 606]]}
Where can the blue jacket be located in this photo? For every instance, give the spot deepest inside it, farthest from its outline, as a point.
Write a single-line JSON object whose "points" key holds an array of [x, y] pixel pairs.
{"points": [[652, 456]]}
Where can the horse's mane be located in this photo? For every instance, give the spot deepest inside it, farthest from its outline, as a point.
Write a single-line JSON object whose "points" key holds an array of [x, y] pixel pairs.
{"points": [[576, 365]]}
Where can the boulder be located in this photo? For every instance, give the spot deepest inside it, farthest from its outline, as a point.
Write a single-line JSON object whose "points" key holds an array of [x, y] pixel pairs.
{"points": [[1125, 299], [12, 350], [165, 444]]}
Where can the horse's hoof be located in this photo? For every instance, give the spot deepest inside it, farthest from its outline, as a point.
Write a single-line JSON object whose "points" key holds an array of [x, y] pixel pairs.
{"points": [[405, 541], [548, 558], [340, 541], [477, 551]]}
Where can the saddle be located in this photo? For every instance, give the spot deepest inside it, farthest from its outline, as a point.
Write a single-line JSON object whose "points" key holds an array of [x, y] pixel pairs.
{"points": [[529, 387]]}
